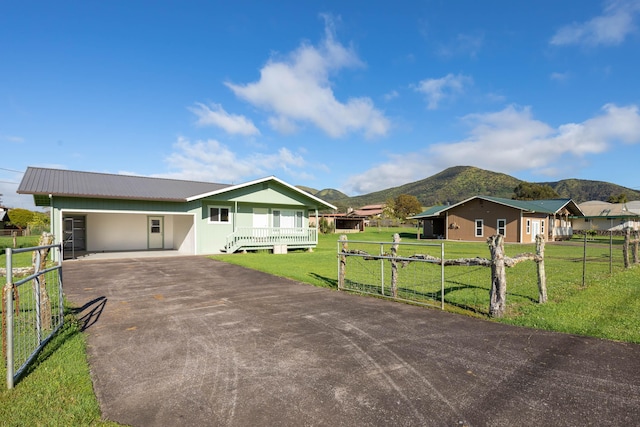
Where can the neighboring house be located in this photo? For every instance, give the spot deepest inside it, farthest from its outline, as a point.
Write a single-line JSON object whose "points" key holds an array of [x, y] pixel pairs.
{"points": [[4, 217], [519, 221], [98, 212], [605, 216], [343, 222], [370, 211]]}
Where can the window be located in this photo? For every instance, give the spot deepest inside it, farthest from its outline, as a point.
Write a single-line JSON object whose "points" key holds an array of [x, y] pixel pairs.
{"points": [[528, 226], [479, 227], [287, 219], [218, 214], [276, 219], [542, 227], [502, 227]]}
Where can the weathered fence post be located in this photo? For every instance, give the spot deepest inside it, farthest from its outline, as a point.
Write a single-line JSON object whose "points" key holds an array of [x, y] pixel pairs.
{"points": [[342, 264], [634, 248], [43, 297], [394, 265], [625, 247], [498, 292], [542, 277]]}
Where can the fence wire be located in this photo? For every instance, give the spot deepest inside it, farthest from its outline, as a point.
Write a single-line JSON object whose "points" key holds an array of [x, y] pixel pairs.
{"points": [[371, 266], [33, 310]]}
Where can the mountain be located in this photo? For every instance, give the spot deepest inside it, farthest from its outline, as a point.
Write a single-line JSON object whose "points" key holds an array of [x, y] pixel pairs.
{"points": [[461, 182]]}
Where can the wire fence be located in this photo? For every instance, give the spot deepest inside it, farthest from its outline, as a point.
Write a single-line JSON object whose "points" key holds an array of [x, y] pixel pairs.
{"points": [[569, 266], [396, 270], [32, 309]]}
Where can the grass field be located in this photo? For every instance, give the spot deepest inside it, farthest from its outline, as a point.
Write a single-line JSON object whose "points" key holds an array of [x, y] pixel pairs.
{"points": [[607, 306]]}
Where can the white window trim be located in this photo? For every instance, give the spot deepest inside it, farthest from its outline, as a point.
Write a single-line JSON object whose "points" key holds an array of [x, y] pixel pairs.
{"points": [[297, 213], [504, 227], [475, 224], [219, 207], [528, 226]]}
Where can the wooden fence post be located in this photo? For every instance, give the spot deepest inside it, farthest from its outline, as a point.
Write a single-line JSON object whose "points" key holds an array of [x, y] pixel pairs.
{"points": [[45, 304], [498, 293], [394, 265], [542, 277], [625, 247], [634, 248], [342, 265]]}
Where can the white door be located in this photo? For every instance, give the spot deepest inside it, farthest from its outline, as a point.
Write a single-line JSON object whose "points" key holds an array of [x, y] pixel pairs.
{"points": [[535, 230], [260, 222], [156, 232], [288, 219]]}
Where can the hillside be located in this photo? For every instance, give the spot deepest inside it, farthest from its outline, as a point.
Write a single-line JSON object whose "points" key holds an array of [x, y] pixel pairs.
{"points": [[461, 182]]}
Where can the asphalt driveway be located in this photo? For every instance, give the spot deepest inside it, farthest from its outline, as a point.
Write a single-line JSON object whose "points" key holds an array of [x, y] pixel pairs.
{"points": [[192, 341]]}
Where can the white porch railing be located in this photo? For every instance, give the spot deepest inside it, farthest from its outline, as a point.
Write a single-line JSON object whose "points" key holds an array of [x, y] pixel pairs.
{"points": [[251, 238], [562, 232]]}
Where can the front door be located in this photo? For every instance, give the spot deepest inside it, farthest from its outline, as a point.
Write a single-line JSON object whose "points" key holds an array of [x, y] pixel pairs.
{"points": [[535, 230], [156, 232]]}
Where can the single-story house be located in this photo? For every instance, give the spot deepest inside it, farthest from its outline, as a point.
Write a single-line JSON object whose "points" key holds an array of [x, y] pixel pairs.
{"points": [[342, 222], [370, 211], [98, 212], [605, 216], [4, 217], [519, 221]]}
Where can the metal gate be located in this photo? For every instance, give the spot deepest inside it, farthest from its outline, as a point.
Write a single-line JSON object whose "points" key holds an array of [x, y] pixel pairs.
{"points": [[31, 314], [393, 270]]}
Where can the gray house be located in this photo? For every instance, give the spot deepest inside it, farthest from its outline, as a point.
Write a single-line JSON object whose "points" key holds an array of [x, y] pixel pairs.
{"points": [[97, 212]]}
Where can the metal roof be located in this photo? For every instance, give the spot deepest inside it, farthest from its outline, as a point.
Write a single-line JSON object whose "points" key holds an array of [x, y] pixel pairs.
{"points": [[548, 206], [43, 181], [607, 210]]}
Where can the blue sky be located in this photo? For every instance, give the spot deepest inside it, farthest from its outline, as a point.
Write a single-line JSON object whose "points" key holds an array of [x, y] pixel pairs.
{"points": [[353, 95]]}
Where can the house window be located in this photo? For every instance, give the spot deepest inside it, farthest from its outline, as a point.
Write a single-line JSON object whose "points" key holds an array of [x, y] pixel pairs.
{"points": [[218, 214], [528, 226], [542, 227], [502, 227], [287, 219], [479, 227]]}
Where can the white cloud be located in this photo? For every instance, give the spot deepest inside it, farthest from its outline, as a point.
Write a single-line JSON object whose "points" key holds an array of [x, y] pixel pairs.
{"points": [[298, 90], [560, 77], [391, 95], [437, 90], [217, 116], [463, 44], [213, 161], [509, 141], [610, 28], [12, 138]]}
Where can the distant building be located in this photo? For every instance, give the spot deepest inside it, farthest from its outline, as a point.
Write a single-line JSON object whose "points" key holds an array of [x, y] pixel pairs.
{"points": [[605, 216]]}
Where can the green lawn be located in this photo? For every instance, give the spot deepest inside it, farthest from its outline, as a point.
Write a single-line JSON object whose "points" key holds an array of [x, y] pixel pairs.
{"points": [[56, 389], [608, 306]]}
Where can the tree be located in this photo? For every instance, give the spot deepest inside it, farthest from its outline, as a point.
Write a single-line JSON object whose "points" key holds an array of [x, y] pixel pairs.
{"points": [[406, 205], [20, 217], [531, 191], [620, 198]]}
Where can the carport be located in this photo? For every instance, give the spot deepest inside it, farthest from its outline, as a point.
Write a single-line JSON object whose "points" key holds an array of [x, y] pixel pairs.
{"points": [[193, 341]]}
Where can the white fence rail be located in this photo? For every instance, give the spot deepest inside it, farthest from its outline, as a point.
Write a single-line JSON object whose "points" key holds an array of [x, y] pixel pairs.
{"points": [[268, 237]]}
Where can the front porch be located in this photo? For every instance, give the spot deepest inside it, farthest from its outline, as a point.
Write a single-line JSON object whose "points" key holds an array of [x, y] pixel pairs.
{"points": [[276, 238]]}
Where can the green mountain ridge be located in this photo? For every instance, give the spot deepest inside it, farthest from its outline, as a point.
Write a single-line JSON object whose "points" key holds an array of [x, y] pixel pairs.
{"points": [[458, 183]]}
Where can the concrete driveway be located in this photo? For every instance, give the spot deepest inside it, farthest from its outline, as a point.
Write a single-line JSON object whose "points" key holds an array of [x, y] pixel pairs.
{"points": [[191, 341]]}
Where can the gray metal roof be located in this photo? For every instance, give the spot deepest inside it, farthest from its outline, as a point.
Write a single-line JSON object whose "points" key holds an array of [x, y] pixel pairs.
{"points": [[43, 181]]}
